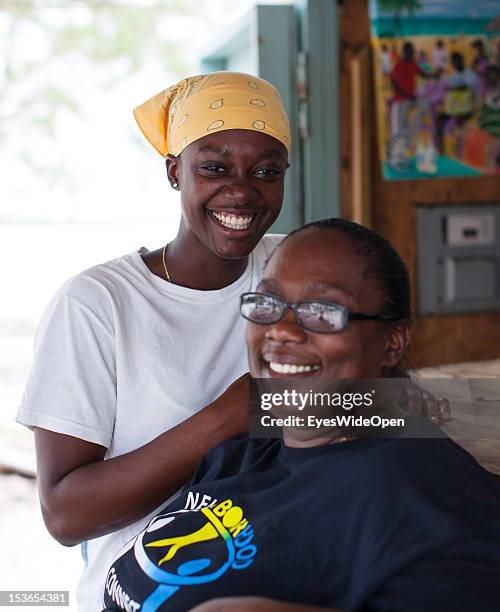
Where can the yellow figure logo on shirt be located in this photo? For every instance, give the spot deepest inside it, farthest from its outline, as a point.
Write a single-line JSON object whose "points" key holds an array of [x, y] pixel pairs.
{"points": [[232, 521], [222, 540], [205, 533]]}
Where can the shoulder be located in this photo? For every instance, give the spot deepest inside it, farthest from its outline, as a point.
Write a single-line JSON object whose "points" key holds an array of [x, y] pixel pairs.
{"points": [[104, 278], [236, 455], [401, 480], [269, 242], [241, 451], [92, 294], [265, 248], [424, 464], [101, 285]]}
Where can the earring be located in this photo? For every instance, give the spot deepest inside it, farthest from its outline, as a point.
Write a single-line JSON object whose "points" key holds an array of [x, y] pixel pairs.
{"points": [[175, 185]]}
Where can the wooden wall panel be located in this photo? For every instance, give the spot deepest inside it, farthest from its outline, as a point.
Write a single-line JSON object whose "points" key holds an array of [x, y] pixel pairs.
{"points": [[436, 339]]}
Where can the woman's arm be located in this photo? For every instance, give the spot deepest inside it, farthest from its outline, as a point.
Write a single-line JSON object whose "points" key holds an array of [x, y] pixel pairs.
{"points": [[255, 604], [83, 497]]}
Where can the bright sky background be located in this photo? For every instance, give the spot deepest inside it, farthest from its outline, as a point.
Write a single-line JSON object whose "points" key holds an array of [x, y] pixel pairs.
{"points": [[91, 168]]}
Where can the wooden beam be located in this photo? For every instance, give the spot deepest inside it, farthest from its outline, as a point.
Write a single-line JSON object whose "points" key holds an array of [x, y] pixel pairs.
{"points": [[360, 138]]}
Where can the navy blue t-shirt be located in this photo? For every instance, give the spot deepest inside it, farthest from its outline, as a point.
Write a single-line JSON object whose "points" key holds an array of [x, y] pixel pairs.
{"points": [[410, 525]]}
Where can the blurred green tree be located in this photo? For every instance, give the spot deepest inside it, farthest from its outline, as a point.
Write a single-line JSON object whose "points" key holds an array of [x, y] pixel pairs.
{"points": [[36, 35]]}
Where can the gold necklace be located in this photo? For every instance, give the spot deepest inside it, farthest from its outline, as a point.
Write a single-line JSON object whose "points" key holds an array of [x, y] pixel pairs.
{"points": [[165, 263]]}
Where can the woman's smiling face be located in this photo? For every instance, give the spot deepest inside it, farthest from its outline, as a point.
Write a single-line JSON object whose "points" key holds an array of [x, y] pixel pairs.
{"points": [[322, 264], [232, 185]]}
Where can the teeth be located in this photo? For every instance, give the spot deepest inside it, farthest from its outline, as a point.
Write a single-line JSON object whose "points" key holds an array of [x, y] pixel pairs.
{"points": [[291, 368], [238, 222]]}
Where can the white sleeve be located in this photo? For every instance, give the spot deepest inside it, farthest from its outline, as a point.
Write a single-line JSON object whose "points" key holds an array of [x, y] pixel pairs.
{"points": [[71, 388]]}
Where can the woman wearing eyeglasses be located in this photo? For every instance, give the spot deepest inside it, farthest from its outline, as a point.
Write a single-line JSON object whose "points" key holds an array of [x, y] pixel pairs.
{"points": [[323, 521], [134, 356]]}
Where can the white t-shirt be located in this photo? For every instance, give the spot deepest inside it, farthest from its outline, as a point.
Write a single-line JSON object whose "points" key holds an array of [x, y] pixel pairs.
{"points": [[121, 356]]}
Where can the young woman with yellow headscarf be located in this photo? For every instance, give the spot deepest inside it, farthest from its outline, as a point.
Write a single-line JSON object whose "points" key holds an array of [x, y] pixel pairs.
{"points": [[133, 357]]}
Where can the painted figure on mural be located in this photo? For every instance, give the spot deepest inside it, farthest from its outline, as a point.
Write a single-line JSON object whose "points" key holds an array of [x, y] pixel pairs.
{"points": [[437, 108]]}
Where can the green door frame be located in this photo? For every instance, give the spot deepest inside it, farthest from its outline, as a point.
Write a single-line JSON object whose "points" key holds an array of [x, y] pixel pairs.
{"points": [[265, 42], [319, 108]]}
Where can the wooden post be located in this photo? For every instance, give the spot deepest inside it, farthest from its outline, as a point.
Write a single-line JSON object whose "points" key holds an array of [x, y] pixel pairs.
{"points": [[360, 138]]}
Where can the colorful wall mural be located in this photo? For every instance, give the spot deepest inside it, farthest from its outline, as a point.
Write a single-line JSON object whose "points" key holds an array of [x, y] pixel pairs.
{"points": [[437, 83]]}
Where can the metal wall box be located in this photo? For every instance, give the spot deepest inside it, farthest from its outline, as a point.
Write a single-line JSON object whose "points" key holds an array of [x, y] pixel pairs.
{"points": [[458, 259]]}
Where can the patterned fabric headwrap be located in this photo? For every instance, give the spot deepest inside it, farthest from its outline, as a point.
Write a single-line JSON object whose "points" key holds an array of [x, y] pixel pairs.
{"points": [[201, 105]]}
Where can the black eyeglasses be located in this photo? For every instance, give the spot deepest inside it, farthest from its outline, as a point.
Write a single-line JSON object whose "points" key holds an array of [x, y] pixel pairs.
{"points": [[315, 316]]}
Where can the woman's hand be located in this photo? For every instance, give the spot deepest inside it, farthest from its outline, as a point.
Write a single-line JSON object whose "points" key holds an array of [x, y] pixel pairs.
{"points": [[255, 604], [233, 407]]}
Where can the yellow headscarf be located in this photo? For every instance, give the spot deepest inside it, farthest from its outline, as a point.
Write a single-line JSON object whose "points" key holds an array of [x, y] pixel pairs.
{"points": [[201, 105]]}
